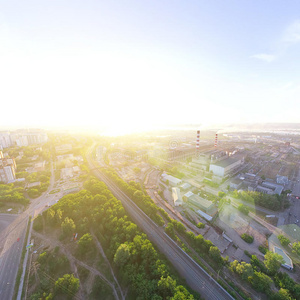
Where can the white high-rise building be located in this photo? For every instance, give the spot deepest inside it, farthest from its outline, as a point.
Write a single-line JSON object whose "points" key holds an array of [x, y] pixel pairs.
{"points": [[5, 141], [7, 169]]}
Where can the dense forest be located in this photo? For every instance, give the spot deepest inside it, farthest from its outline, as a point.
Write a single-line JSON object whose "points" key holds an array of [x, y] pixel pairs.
{"points": [[138, 264]]}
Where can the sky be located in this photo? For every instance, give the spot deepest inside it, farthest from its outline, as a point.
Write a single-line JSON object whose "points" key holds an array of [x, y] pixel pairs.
{"points": [[132, 65]]}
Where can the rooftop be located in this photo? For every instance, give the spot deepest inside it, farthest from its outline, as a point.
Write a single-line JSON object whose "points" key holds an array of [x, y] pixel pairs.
{"points": [[189, 194], [226, 162], [203, 202], [236, 180], [287, 261], [204, 215], [185, 186], [172, 179]]}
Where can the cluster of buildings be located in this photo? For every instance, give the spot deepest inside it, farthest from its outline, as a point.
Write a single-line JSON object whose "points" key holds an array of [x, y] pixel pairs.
{"points": [[7, 169], [63, 148], [219, 163], [206, 209], [255, 183], [22, 138]]}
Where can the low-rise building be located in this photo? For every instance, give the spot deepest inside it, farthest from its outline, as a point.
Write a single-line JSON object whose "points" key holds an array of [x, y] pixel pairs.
{"points": [[33, 184], [188, 195], [284, 180], [204, 215], [269, 188], [206, 206], [171, 179], [236, 183], [185, 186]]}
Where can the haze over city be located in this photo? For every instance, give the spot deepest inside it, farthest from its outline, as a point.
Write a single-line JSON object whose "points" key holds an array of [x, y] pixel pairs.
{"points": [[127, 66], [149, 150]]}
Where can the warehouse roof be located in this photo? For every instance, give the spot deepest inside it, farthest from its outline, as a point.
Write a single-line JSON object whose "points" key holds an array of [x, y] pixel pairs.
{"points": [[204, 215], [203, 202], [172, 179], [226, 162]]}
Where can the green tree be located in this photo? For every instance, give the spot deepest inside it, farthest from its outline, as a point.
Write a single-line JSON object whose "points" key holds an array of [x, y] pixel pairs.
{"points": [[50, 216], [67, 226], [283, 294], [67, 285], [260, 281], [166, 287], [244, 270], [221, 194], [284, 241], [170, 230], [273, 261], [181, 293], [244, 209], [215, 254], [85, 243], [247, 238], [43, 258], [296, 248], [200, 225], [122, 255]]}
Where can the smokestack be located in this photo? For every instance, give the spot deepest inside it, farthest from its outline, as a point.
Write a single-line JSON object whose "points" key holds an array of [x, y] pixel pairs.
{"points": [[216, 140], [198, 140]]}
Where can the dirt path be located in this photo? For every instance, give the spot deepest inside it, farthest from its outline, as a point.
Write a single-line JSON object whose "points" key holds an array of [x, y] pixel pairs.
{"points": [[53, 242], [108, 263]]}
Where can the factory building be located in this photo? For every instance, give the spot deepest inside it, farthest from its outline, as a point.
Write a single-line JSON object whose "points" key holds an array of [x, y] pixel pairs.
{"points": [[223, 167]]}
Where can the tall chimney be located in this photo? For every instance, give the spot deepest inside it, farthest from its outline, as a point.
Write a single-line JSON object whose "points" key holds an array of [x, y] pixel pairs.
{"points": [[216, 140], [198, 141]]}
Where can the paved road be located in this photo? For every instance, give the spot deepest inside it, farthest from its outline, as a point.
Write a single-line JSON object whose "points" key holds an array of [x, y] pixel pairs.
{"points": [[296, 188], [11, 248], [194, 275], [10, 254], [293, 213]]}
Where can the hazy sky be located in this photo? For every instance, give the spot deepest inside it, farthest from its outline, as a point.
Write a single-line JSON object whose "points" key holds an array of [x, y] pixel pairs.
{"points": [[132, 64]]}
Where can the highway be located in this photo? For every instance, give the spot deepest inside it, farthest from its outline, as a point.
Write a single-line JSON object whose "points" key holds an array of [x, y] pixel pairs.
{"points": [[11, 248], [195, 276]]}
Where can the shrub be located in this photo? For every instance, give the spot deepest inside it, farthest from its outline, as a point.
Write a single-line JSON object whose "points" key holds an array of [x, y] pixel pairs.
{"points": [[284, 241], [247, 238], [200, 225]]}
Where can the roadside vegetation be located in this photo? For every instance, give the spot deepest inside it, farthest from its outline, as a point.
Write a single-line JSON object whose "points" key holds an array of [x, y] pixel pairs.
{"points": [[262, 275], [139, 266], [12, 193], [273, 202]]}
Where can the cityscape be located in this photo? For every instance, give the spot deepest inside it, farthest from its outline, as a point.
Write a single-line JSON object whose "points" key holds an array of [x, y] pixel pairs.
{"points": [[149, 150], [222, 208]]}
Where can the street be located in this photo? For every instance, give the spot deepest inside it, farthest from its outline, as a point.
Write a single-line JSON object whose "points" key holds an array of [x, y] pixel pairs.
{"points": [[10, 247]]}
